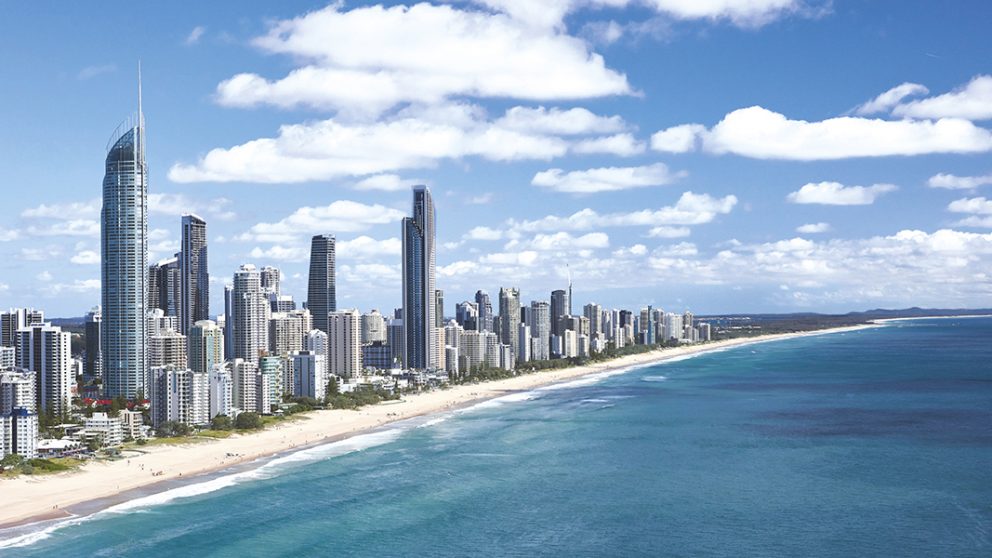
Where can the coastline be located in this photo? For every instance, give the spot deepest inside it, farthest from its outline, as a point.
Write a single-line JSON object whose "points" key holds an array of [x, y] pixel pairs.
{"points": [[31, 500]]}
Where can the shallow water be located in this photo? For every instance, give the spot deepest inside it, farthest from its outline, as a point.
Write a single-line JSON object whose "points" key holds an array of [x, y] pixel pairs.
{"points": [[875, 442]]}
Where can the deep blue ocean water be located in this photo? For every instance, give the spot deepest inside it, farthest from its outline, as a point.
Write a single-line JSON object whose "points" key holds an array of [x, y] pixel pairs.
{"points": [[868, 443]]}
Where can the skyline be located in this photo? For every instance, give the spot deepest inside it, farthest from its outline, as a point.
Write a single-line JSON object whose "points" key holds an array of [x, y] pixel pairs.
{"points": [[532, 174]]}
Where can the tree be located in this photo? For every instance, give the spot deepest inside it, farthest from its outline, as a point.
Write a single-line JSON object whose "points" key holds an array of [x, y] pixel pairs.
{"points": [[221, 422], [170, 429], [248, 421], [332, 386], [12, 460]]}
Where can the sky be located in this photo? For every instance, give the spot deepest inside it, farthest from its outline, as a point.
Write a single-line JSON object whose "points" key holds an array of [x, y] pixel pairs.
{"points": [[716, 156]]}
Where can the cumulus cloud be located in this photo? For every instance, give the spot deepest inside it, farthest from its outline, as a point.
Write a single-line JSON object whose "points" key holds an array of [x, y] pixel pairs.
{"points": [[972, 102], [327, 149], [86, 257], [422, 53], [388, 183], [690, 209], [560, 241], [979, 206], [621, 145], [813, 228], [668, 232], [952, 182], [835, 193], [483, 233], [557, 121], [7, 235], [607, 179], [337, 217], [891, 98], [760, 133]]}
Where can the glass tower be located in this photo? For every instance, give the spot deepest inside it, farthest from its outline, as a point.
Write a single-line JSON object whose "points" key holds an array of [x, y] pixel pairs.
{"points": [[194, 291], [419, 308], [321, 292], [124, 251]]}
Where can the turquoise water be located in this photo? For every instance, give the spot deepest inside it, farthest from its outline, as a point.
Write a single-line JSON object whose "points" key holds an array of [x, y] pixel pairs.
{"points": [[869, 443]]}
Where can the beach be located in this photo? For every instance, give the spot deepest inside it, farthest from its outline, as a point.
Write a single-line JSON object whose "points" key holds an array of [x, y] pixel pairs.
{"points": [[28, 499]]}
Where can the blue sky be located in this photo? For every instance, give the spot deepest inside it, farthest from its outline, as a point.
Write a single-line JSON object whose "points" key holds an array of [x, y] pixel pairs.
{"points": [[724, 156]]}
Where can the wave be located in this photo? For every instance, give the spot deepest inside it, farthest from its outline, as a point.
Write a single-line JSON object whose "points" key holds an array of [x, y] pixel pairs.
{"points": [[271, 468], [654, 378]]}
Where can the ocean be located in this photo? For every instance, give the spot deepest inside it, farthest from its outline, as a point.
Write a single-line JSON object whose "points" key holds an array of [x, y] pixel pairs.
{"points": [[875, 442]]}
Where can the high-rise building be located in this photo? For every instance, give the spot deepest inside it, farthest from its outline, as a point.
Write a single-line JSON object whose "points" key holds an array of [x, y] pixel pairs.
{"points": [[269, 383], [467, 315], [228, 321], [18, 389], [485, 308], [205, 346], [245, 388], [93, 364], [509, 318], [396, 339], [419, 306], [438, 308], [594, 313], [373, 327], [271, 279], [124, 259], [14, 319], [165, 286], [180, 395], [287, 330], [344, 344], [540, 329], [560, 305], [221, 391], [167, 348], [309, 375], [45, 350], [156, 322], [321, 291], [251, 310], [194, 289]]}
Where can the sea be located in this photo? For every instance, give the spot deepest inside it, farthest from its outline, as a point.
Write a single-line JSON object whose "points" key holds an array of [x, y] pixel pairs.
{"points": [[875, 442]]}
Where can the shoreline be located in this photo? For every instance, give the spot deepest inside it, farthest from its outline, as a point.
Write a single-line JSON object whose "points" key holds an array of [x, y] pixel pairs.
{"points": [[36, 500]]}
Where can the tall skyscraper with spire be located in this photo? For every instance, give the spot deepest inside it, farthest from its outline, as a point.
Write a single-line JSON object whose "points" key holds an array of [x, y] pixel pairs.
{"points": [[321, 292], [194, 290], [124, 259], [419, 307]]}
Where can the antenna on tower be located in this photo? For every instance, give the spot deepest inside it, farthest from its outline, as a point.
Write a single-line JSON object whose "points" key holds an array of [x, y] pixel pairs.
{"points": [[568, 270], [141, 115]]}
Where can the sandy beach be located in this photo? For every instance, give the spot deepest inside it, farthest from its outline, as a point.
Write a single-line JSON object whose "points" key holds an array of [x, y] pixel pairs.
{"points": [[28, 499]]}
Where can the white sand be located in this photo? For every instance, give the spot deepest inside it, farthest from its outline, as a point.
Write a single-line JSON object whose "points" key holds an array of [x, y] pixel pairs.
{"points": [[28, 498]]}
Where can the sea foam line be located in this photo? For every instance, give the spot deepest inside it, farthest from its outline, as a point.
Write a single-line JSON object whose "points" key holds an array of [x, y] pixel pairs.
{"points": [[269, 469]]}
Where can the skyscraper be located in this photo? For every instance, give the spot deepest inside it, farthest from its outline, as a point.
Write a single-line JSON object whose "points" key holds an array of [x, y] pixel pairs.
{"points": [[560, 306], [509, 318], [205, 346], [418, 283], [124, 257], [540, 329], [485, 307], [321, 294], [194, 305], [165, 286], [92, 365], [438, 308], [44, 349], [251, 310], [344, 346]]}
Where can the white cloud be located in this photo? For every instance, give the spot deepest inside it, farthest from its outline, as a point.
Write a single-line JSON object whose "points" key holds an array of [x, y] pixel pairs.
{"points": [[677, 139], [668, 232], [281, 253], [556, 121], [195, 35], [413, 138], [621, 145], [483, 233], [835, 193], [71, 227], [763, 134], [525, 258], [972, 102], [952, 182], [44, 277], [337, 217], [561, 241], [86, 257], [888, 100], [364, 247], [387, 182], [813, 228], [423, 53], [975, 221], [88, 209], [481, 199], [606, 179], [6, 235], [979, 206], [78, 286], [690, 209]]}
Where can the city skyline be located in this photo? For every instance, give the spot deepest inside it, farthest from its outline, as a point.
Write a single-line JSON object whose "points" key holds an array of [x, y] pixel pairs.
{"points": [[637, 172]]}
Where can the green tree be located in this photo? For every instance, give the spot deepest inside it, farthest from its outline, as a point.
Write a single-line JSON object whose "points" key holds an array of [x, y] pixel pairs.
{"points": [[248, 421], [221, 422], [332, 386], [171, 429]]}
